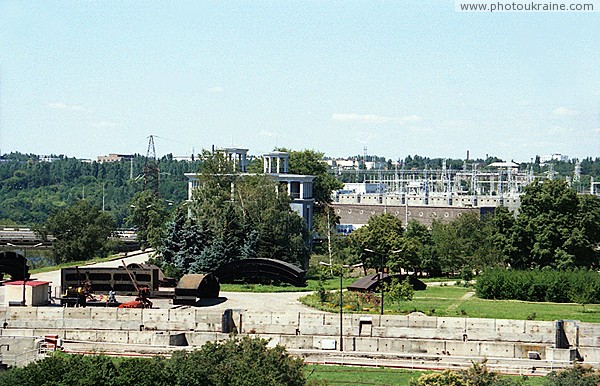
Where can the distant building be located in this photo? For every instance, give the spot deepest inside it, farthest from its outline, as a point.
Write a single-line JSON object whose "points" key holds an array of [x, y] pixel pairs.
{"points": [[553, 157], [275, 165], [48, 158], [115, 157]]}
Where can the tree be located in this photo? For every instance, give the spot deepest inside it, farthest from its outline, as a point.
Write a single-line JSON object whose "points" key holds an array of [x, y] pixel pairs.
{"points": [[234, 216], [311, 162], [382, 235], [555, 227], [82, 232], [148, 214], [417, 249]]}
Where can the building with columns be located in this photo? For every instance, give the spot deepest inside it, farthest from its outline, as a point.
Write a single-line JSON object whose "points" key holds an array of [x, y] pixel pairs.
{"points": [[276, 165]]}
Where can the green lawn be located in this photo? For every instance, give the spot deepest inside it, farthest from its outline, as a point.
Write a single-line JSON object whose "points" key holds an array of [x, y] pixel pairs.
{"points": [[460, 301], [377, 376]]}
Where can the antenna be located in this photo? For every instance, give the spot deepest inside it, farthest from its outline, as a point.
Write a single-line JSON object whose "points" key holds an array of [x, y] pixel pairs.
{"points": [[151, 168]]}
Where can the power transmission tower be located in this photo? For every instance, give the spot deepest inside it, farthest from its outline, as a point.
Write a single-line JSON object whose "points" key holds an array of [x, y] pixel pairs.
{"points": [[151, 168]]}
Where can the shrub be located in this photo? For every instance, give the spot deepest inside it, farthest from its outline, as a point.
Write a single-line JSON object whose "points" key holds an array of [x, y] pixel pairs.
{"points": [[546, 285]]}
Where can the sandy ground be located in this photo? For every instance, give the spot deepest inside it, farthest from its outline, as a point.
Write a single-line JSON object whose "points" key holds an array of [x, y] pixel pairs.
{"points": [[283, 301]]}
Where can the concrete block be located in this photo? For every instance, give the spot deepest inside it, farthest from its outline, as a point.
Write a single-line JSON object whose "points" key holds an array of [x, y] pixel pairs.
{"points": [[297, 342], [425, 346], [459, 324], [285, 319], [565, 355], [182, 319], [20, 313], [327, 343], [523, 350], [461, 348], [50, 313], [321, 330], [206, 327], [477, 325], [81, 335], [85, 324], [203, 316], [77, 313], [537, 327], [18, 332], [140, 337], [391, 320], [366, 344], [197, 339], [311, 320], [112, 336], [419, 321], [256, 318], [590, 354], [104, 313], [130, 314], [510, 327], [497, 349]]}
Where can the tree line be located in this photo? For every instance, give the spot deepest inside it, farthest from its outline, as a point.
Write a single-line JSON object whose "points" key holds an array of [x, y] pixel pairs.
{"points": [[554, 227]]}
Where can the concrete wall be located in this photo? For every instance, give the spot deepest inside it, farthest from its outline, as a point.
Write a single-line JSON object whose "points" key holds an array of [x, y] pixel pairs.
{"points": [[414, 333], [361, 213]]}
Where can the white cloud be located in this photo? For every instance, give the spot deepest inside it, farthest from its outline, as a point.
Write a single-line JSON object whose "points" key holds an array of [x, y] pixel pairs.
{"points": [[104, 124], [373, 118], [64, 106], [216, 90], [564, 112]]}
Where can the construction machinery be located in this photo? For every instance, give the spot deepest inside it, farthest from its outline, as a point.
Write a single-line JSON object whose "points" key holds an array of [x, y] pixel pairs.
{"points": [[142, 299]]}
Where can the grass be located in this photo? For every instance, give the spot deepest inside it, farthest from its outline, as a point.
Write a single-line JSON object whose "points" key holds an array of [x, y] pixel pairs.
{"points": [[377, 376], [453, 301], [311, 285]]}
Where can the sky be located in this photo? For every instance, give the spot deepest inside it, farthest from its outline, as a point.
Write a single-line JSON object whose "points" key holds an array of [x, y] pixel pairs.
{"points": [[88, 78]]}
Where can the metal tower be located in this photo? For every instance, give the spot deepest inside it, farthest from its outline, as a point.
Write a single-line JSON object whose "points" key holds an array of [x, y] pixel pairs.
{"points": [[151, 168]]}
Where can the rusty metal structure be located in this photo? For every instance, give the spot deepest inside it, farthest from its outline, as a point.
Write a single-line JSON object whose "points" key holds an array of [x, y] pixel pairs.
{"points": [[260, 270]]}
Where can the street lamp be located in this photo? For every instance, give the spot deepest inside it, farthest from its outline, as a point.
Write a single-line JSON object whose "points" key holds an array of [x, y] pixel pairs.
{"points": [[381, 272], [341, 298], [24, 247]]}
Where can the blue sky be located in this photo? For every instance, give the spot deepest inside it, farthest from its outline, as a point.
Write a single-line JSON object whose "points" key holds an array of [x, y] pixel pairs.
{"points": [[85, 78]]}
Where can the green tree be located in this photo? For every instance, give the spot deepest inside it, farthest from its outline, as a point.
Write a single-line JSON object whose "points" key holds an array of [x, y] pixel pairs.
{"points": [[82, 231], [555, 227], [311, 162], [148, 214], [383, 235]]}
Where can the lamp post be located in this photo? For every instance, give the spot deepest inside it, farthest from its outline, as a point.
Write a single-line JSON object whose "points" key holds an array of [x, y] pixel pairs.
{"points": [[24, 247], [341, 298], [381, 271]]}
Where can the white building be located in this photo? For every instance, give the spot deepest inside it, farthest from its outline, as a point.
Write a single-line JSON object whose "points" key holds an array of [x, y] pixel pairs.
{"points": [[276, 165]]}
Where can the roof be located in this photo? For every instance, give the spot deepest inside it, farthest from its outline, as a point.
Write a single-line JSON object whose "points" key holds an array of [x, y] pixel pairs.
{"points": [[504, 165], [31, 283]]}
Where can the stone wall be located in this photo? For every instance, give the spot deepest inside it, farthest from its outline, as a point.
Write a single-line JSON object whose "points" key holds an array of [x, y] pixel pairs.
{"points": [[414, 333]]}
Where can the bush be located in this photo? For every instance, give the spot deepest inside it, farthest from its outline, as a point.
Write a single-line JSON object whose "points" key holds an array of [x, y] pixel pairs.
{"points": [[246, 361], [572, 286]]}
